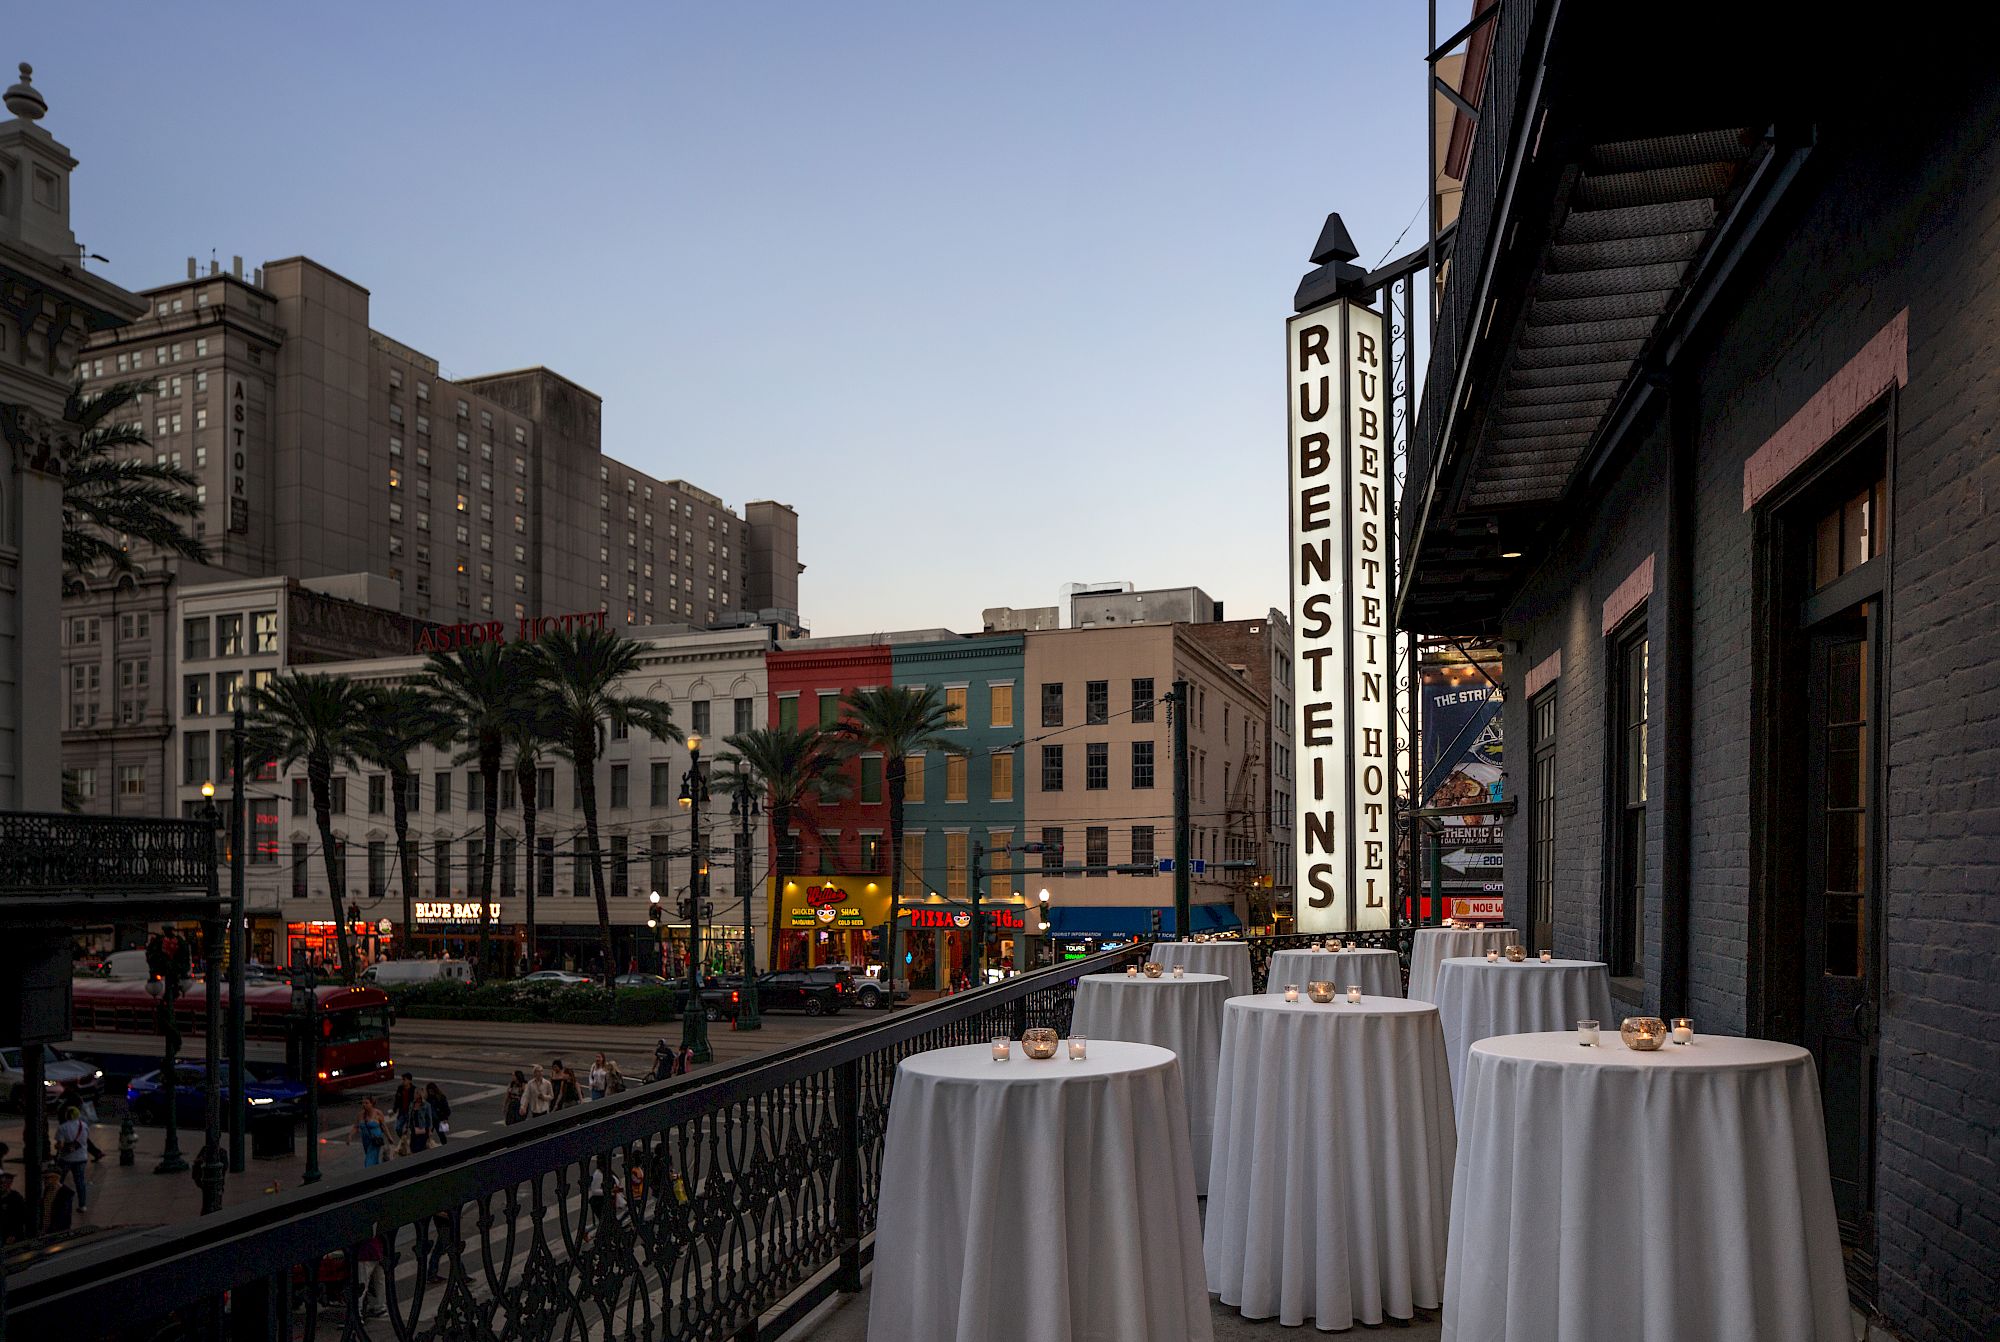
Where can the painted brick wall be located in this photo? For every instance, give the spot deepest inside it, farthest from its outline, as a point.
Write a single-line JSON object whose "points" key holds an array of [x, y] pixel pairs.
{"points": [[1890, 214]]}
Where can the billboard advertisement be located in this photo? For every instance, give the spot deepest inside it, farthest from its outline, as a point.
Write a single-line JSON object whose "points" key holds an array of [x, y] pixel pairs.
{"points": [[1462, 737]]}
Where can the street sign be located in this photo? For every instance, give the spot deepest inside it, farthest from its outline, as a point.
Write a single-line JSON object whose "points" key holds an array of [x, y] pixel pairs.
{"points": [[1199, 866], [1166, 869], [1465, 859]]}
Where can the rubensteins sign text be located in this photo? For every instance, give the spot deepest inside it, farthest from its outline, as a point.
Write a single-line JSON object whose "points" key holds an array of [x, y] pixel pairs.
{"points": [[450, 637], [1343, 645]]}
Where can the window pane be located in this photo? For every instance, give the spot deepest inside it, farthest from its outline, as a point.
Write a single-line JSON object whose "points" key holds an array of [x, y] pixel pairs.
{"points": [[1002, 705], [1003, 776]]}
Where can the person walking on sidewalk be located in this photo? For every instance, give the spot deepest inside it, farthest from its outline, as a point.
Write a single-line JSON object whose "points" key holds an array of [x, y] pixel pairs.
{"points": [[614, 1080], [440, 1109], [540, 1095], [600, 1080], [564, 1081], [404, 1101], [73, 1153], [517, 1108], [57, 1203], [13, 1210], [372, 1127], [419, 1125]]}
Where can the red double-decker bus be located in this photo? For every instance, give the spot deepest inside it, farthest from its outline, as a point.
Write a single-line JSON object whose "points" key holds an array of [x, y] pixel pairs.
{"points": [[117, 1023]]}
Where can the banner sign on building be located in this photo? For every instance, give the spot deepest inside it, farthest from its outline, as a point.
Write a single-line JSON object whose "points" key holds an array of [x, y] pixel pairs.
{"points": [[1463, 768], [1343, 646]]}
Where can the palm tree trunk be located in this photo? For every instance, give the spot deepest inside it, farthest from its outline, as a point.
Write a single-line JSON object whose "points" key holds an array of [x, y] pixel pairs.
{"points": [[526, 782], [400, 781], [320, 773], [781, 824], [895, 766], [489, 778], [585, 757]]}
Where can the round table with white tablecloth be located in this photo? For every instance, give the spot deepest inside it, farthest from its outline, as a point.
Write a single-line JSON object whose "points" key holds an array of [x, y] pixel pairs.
{"points": [[1231, 959], [1477, 1000], [1027, 1199], [1379, 972], [1434, 945], [1603, 1193], [1182, 1015], [1328, 1194]]}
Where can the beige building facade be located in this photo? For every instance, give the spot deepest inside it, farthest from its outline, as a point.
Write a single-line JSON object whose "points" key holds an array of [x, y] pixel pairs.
{"points": [[1098, 770]]}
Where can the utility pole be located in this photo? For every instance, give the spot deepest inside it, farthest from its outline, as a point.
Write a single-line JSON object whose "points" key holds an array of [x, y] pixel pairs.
{"points": [[1183, 836], [975, 950], [239, 1098], [694, 1021]]}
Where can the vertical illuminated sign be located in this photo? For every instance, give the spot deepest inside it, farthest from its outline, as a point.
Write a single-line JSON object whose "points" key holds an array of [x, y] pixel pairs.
{"points": [[1342, 643]]}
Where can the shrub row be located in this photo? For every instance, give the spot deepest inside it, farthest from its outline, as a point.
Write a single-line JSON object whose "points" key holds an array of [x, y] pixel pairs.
{"points": [[507, 1002]]}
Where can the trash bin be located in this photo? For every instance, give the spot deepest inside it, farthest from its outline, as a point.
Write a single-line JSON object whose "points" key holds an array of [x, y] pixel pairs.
{"points": [[271, 1136]]}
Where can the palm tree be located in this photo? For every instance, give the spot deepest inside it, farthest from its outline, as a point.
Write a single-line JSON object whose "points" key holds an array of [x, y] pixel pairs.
{"points": [[527, 739], [107, 496], [476, 690], [899, 721], [402, 718], [320, 720], [795, 768], [579, 670]]}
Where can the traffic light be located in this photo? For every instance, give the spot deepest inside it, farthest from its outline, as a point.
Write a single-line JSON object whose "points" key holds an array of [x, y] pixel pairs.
{"points": [[1156, 922]]}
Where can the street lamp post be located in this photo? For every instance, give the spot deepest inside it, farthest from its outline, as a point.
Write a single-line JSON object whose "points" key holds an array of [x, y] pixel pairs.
{"points": [[694, 1021], [239, 1098], [167, 964], [743, 805], [305, 1003], [210, 1165], [1042, 927]]}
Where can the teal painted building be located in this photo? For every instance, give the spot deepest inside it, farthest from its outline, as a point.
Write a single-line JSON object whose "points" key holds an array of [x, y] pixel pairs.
{"points": [[963, 802]]}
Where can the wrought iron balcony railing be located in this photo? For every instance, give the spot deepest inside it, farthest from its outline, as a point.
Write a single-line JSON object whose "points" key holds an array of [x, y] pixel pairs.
{"points": [[54, 853], [721, 1207]]}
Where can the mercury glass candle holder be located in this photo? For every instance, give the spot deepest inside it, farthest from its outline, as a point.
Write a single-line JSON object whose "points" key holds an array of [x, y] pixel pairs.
{"points": [[1154, 969], [1320, 990], [1517, 953], [1040, 1043], [1643, 1034]]}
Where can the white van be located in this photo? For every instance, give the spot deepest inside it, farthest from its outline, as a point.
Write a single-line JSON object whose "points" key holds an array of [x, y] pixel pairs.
{"points": [[384, 973]]}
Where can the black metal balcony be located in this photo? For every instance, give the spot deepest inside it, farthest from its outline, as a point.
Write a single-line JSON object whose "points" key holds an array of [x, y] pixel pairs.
{"points": [[53, 864]]}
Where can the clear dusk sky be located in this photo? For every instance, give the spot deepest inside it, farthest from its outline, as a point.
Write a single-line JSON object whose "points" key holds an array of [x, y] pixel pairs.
{"points": [[993, 294]]}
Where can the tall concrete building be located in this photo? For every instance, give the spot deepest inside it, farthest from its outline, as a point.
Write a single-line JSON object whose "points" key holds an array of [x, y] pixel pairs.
{"points": [[324, 448]]}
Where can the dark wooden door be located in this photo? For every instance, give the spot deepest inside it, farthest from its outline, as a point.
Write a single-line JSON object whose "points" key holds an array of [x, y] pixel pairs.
{"points": [[1840, 965]]}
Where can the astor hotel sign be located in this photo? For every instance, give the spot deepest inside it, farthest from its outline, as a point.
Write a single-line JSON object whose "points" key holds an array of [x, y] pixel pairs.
{"points": [[452, 637], [1343, 647]]}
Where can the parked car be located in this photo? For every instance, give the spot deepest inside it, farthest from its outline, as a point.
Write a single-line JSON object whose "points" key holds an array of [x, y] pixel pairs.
{"points": [[821, 991], [267, 1092], [560, 977], [643, 981], [385, 973], [869, 990], [58, 1070]]}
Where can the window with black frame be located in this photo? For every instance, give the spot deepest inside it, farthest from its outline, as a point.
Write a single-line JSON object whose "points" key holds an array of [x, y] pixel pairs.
{"points": [[1626, 940], [1542, 815]]}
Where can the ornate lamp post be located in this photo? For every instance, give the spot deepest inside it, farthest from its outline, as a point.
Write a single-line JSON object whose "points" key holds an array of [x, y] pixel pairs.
{"points": [[694, 1021], [1042, 927], [743, 805], [211, 1165]]}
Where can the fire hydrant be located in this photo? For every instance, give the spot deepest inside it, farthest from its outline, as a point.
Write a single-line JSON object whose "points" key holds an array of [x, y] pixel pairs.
{"points": [[128, 1142]]}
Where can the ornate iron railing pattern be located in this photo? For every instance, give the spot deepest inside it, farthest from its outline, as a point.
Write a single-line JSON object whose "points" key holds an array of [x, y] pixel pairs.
{"points": [[55, 853], [691, 1210]]}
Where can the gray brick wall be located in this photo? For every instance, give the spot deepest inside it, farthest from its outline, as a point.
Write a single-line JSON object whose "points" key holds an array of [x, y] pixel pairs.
{"points": [[1890, 214]]}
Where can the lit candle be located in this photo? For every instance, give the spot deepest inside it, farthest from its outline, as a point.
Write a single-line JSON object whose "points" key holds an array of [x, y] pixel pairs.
{"points": [[1354, 994], [1180, 971], [1350, 945], [1586, 1033], [1683, 1030], [1548, 956], [1291, 992], [1000, 1048], [1131, 971], [1077, 1044], [1492, 957]]}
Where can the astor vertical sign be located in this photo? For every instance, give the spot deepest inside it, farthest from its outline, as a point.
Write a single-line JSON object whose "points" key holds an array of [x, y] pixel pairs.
{"points": [[1342, 643]]}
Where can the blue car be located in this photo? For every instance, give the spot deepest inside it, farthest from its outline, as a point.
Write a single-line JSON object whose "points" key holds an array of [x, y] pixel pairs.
{"points": [[267, 1094]]}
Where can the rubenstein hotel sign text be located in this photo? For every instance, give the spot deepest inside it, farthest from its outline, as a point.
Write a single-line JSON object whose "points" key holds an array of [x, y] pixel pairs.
{"points": [[1342, 641]]}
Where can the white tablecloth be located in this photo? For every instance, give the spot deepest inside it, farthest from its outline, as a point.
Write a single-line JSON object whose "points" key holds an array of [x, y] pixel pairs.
{"points": [[1379, 972], [1047, 1200], [1183, 1015], [1329, 1192], [1477, 1000], [1649, 1197], [1231, 959], [1435, 944]]}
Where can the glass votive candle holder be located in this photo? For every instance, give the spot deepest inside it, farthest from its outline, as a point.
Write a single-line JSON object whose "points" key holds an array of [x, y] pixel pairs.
{"points": [[1354, 994], [1002, 1050], [1586, 1033], [1131, 971], [1350, 945], [1291, 992], [1683, 1030], [1180, 971], [1078, 1047], [1492, 957], [1547, 956]]}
